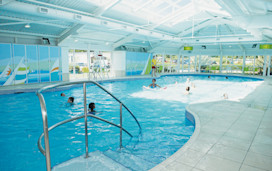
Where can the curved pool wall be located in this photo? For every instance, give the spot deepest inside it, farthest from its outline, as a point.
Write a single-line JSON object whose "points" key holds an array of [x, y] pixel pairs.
{"points": [[188, 114]]}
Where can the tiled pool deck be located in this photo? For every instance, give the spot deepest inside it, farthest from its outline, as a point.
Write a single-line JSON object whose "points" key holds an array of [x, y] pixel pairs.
{"points": [[228, 135]]}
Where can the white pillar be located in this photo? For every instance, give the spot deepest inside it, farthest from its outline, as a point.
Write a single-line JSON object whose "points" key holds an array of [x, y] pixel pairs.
{"points": [[178, 63], [264, 66], [244, 62], [189, 64], [65, 63], [195, 63], [199, 64], [254, 65], [163, 58], [171, 63], [269, 66], [88, 61], [220, 63], [182, 64]]}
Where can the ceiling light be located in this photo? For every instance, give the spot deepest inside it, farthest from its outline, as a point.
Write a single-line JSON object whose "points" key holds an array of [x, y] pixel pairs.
{"points": [[107, 43], [143, 41], [76, 40], [27, 26]]}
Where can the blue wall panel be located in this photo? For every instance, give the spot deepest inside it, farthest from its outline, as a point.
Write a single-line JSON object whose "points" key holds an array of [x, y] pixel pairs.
{"points": [[21, 64]]}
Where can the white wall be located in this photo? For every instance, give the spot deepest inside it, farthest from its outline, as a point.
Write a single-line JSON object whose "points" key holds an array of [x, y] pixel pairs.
{"points": [[118, 63]]}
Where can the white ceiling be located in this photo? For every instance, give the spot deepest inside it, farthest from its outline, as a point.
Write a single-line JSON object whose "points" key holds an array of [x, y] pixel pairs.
{"points": [[150, 24]]}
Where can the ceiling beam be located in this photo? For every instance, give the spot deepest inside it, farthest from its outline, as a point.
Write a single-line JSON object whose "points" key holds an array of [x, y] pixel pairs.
{"points": [[160, 43], [196, 27], [69, 32], [26, 21], [123, 40], [170, 16], [142, 6], [28, 33], [101, 10], [230, 6], [4, 2]]}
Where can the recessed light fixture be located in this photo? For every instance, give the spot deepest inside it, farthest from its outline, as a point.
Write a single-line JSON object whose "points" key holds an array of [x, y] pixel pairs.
{"points": [[107, 43], [76, 40], [27, 26]]}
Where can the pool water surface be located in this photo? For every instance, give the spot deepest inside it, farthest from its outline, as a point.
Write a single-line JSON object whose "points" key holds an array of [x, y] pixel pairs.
{"points": [[161, 113]]}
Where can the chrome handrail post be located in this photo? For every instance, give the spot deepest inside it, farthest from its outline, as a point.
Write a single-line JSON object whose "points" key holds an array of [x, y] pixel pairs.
{"points": [[121, 127], [45, 130], [85, 116]]}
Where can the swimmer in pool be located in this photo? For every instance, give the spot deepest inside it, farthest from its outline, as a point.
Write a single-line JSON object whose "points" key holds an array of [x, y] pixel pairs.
{"points": [[225, 96], [209, 76], [153, 85], [187, 92], [189, 84], [227, 77], [71, 100], [62, 94], [91, 108]]}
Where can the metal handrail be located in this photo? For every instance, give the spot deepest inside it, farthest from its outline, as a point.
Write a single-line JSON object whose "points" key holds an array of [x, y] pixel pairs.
{"points": [[45, 123], [81, 82], [73, 119]]}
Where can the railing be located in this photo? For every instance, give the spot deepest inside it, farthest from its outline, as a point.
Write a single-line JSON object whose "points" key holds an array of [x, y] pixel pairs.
{"points": [[46, 152]]}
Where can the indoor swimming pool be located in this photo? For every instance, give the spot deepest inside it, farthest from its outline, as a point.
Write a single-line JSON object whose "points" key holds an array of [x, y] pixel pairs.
{"points": [[161, 113]]}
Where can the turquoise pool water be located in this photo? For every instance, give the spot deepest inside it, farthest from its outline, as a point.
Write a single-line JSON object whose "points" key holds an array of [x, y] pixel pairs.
{"points": [[161, 114]]}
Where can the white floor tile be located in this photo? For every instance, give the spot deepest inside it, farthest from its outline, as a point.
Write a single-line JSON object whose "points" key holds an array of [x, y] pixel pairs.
{"points": [[213, 163], [258, 160], [229, 153]]}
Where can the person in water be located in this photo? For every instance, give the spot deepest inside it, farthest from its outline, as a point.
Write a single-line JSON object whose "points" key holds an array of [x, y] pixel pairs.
{"points": [[91, 108], [187, 92], [154, 85], [70, 100], [62, 94], [209, 76]]}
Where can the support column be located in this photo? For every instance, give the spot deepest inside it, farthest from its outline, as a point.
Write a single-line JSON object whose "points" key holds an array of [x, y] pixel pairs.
{"points": [[182, 63], [199, 64], [254, 65], [264, 66], [171, 63], [221, 60], [88, 61], [244, 62], [163, 58], [65, 63], [178, 63], [195, 62], [269, 66]]}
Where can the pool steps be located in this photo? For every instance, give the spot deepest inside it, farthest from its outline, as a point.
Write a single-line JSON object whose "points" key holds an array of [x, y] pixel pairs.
{"points": [[108, 160]]}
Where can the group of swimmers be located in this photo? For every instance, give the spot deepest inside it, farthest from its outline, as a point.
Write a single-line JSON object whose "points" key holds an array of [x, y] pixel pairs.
{"points": [[91, 105], [188, 84]]}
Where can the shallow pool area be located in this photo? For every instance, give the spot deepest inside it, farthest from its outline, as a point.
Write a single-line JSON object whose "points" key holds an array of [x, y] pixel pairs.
{"points": [[161, 113]]}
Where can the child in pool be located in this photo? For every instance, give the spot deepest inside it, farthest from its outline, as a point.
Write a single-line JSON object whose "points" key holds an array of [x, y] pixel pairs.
{"points": [[153, 85], [187, 92], [91, 108]]}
